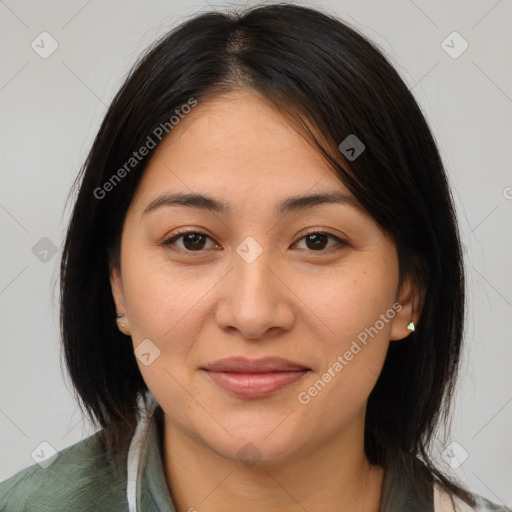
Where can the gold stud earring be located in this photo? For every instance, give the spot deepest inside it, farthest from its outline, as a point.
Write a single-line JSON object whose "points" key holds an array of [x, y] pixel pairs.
{"points": [[410, 326]]}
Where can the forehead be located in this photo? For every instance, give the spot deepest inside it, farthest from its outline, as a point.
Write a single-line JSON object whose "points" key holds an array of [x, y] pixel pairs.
{"points": [[237, 140]]}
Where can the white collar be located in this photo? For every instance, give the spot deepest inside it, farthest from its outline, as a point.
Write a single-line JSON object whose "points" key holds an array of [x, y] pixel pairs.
{"points": [[135, 454]]}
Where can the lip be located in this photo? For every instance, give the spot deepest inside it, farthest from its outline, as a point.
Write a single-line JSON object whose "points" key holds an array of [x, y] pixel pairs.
{"points": [[248, 378], [263, 365]]}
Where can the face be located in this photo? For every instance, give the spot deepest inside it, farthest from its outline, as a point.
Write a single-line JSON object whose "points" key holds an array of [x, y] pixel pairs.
{"points": [[255, 272]]}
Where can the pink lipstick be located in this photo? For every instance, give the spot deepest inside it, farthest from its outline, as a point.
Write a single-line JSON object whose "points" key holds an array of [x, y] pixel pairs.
{"points": [[247, 378]]}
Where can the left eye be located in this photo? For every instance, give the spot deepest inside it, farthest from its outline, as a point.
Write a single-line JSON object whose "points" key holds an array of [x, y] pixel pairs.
{"points": [[319, 241]]}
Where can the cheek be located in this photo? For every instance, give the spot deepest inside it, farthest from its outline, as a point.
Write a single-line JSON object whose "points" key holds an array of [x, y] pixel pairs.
{"points": [[351, 366], [162, 299], [164, 306], [352, 298], [358, 308]]}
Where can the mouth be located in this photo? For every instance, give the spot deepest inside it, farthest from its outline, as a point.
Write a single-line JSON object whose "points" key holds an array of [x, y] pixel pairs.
{"points": [[247, 378]]}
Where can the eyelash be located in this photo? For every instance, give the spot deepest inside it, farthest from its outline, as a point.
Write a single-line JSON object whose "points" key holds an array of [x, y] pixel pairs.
{"points": [[180, 234]]}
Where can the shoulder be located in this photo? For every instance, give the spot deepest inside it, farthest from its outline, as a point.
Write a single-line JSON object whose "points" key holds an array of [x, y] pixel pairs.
{"points": [[447, 502], [76, 480]]}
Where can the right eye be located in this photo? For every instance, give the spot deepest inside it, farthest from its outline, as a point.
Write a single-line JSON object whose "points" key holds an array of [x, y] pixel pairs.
{"points": [[191, 241]]}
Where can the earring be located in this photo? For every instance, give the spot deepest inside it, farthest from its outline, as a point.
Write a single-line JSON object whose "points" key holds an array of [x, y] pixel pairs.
{"points": [[119, 315], [410, 326]]}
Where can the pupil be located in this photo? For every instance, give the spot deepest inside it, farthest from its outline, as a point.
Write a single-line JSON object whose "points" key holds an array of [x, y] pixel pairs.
{"points": [[194, 239], [319, 241]]}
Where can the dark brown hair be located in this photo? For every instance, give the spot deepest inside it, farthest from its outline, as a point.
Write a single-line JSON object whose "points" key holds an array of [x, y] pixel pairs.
{"points": [[332, 82]]}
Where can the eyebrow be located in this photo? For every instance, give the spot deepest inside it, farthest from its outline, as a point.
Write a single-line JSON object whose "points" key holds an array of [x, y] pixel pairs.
{"points": [[290, 204]]}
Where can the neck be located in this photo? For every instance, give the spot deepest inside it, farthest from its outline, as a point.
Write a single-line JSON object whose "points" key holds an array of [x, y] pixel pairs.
{"points": [[336, 473]]}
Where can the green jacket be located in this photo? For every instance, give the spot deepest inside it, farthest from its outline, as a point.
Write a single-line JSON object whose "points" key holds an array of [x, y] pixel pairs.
{"points": [[82, 479]]}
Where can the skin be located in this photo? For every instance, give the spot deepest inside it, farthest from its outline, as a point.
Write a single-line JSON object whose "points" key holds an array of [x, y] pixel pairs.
{"points": [[294, 301]]}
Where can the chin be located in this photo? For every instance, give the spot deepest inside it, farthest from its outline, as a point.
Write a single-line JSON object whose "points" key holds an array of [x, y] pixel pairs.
{"points": [[252, 444]]}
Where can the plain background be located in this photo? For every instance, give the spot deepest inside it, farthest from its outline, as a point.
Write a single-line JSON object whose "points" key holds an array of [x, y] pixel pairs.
{"points": [[51, 109]]}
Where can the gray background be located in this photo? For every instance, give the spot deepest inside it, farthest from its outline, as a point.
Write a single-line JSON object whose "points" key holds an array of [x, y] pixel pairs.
{"points": [[51, 109]]}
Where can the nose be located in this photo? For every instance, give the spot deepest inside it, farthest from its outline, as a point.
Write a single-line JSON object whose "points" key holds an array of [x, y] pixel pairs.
{"points": [[255, 299]]}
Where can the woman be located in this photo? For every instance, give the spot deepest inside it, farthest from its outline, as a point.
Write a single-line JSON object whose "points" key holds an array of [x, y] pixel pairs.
{"points": [[262, 289]]}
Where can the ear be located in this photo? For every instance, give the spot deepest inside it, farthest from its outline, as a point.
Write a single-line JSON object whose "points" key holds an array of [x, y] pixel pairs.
{"points": [[410, 297], [116, 285]]}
